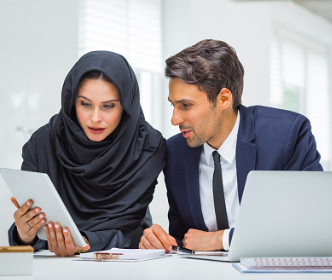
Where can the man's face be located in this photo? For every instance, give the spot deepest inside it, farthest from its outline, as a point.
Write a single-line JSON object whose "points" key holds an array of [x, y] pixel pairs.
{"points": [[198, 119]]}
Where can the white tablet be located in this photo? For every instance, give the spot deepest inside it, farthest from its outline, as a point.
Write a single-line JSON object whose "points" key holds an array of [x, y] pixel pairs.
{"points": [[27, 185]]}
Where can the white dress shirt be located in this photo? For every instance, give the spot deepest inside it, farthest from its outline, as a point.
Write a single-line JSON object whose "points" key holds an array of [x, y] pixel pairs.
{"points": [[228, 165]]}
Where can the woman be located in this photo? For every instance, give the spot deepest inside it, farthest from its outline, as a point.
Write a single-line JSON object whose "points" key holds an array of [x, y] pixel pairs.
{"points": [[102, 156]]}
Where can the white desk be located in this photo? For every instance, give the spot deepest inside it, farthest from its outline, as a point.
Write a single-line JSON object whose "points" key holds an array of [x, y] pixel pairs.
{"points": [[168, 268]]}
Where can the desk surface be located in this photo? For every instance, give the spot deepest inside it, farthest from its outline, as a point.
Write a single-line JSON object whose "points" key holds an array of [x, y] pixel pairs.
{"points": [[172, 267]]}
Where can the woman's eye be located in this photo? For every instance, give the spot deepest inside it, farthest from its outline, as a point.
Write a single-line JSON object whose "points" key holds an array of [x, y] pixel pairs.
{"points": [[85, 104], [109, 106]]}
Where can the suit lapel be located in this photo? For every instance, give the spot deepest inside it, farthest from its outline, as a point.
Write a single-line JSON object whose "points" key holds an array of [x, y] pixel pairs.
{"points": [[245, 148], [192, 187]]}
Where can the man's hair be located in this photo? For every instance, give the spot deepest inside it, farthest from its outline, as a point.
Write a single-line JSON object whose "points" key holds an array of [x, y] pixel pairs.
{"points": [[211, 65]]}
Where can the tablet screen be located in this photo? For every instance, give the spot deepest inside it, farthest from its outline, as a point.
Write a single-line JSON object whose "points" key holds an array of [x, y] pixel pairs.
{"points": [[37, 186]]}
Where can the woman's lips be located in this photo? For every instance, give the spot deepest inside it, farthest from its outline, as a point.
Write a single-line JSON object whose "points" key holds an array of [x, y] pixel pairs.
{"points": [[96, 130]]}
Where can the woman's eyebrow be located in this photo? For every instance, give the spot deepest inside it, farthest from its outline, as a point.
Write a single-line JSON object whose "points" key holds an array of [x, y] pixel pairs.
{"points": [[80, 96], [112, 100]]}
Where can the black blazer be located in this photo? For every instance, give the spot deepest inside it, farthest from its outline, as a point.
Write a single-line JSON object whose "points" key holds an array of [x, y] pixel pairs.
{"points": [[268, 139]]}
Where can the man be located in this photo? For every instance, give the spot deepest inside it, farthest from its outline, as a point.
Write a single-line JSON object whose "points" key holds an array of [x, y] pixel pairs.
{"points": [[205, 88]]}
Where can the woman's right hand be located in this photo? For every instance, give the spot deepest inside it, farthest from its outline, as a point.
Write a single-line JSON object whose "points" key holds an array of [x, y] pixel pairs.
{"points": [[28, 221]]}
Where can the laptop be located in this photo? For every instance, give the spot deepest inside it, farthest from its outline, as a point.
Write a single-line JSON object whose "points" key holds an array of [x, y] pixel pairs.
{"points": [[282, 214]]}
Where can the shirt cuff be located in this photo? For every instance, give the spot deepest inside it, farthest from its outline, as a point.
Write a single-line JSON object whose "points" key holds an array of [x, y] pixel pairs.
{"points": [[225, 239]]}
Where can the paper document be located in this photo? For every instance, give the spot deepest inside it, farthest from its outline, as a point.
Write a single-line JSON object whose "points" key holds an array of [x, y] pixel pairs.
{"points": [[123, 255]]}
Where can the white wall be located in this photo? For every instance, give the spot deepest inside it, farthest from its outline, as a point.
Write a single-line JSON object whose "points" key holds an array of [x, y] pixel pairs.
{"points": [[38, 47], [247, 27]]}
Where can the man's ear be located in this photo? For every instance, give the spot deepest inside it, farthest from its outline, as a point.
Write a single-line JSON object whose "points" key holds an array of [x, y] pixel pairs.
{"points": [[225, 98]]}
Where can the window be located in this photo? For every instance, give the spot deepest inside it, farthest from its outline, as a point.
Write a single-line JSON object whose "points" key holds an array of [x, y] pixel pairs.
{"points": [[131, 28], [299, 72]]}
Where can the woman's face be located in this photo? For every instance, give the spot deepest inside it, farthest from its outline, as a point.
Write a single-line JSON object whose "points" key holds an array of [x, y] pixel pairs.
{"points": [[98, 108]]}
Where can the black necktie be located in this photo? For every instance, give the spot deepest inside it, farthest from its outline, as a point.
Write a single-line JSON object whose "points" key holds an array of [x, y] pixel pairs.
{"points": [[218, 194]]}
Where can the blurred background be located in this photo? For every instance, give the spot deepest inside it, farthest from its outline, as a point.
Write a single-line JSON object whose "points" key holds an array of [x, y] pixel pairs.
{"points": [[284, 46]]}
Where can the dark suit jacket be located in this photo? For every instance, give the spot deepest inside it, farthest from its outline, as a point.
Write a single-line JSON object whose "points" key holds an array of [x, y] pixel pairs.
{"points": [[268, 139]]}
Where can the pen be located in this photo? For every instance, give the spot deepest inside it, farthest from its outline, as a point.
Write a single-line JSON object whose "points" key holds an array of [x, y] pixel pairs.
{"points": [[179, 249]]}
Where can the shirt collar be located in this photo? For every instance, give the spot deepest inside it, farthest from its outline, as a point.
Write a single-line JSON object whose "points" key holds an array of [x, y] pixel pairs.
{"points": [[227, 149]]}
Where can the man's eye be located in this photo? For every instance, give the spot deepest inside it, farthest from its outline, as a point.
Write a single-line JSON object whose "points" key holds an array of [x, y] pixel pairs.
{"points": [[186, 105]]}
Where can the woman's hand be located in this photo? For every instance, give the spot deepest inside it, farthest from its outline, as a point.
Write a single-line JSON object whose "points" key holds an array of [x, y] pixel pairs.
{"points": [[60, 241], [28, 221]]}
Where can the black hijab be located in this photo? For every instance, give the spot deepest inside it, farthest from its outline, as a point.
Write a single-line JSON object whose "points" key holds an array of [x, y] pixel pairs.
{"points": [[108, 184]]}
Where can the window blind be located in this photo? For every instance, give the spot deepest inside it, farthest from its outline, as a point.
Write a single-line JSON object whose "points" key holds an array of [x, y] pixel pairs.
{"points": [[129, 27], [299, 71]]}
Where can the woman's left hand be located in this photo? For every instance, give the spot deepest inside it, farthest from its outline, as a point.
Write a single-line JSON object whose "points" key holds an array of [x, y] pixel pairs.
{"points": [[60, 241]]}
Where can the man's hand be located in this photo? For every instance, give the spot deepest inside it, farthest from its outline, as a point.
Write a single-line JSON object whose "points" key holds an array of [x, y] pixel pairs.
{"points": [[155, 237], [199, 240], [60, 241]]}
